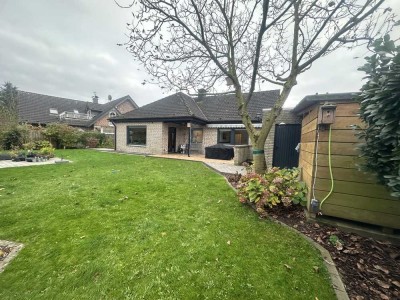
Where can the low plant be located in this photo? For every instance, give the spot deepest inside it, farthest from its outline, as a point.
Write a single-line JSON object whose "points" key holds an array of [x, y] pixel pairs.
{"points": [[47, 151], [42, 144], [29, 146], [274, 187], [287, 186]]}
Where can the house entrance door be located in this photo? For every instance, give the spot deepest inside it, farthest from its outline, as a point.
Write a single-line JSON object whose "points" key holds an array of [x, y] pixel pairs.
{"points": [[285, 142], [171, 139]]}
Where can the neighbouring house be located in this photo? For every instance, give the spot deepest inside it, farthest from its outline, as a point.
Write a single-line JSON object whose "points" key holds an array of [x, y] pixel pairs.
{"points": [[329, 147], [178, 122], [38, 109]]}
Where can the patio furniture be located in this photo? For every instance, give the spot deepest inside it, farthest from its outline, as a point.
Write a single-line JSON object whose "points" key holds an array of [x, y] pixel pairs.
{"points": [[219, 151]]}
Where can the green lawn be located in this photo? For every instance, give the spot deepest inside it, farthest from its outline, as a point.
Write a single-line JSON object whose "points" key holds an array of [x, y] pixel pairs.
{"points": [[111, 226]]}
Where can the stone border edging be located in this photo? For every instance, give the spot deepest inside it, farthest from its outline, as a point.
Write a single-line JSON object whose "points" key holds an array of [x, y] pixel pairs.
{"points": [[16, 247], [336, 280]]}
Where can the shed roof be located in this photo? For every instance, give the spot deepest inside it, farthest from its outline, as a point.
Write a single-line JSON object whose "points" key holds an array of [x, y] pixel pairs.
{"points": [[334, 97]]}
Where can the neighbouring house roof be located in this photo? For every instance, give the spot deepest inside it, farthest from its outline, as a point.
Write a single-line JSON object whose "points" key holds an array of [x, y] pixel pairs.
{"points": [[211, 109], [35, 108], [107, 107], [312, 99]]}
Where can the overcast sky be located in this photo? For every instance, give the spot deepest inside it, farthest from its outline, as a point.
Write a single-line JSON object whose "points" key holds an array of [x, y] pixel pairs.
{"points": [[67, 48]]}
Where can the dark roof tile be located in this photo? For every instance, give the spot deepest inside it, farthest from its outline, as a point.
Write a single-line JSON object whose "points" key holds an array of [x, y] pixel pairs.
{"points": [[217, 108], [35, 108]]}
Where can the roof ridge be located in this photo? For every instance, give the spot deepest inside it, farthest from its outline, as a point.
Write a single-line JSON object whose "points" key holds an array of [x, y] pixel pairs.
{"points": [[184, 103], [54, 96]]}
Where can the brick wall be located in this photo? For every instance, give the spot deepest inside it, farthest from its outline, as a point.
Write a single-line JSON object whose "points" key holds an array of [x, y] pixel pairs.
{"points": [[156, 138], [103, 122], [125, 107], [210, 136], [286, 117]]}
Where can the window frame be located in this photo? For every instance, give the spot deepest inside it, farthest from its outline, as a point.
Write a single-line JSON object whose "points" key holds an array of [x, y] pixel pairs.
{"points": [[193, 135], [229, 130], [129, 127], [232, 132]]}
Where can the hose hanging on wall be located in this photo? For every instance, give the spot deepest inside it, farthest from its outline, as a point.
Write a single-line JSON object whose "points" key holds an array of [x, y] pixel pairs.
{"points": [[330, 167]]}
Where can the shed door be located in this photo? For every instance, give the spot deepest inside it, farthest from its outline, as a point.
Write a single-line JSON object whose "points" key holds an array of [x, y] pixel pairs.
{"points": [[287, 137]]}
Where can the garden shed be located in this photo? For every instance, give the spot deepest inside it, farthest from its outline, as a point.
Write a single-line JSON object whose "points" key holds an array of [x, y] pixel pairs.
{"points": [[329, 161]]}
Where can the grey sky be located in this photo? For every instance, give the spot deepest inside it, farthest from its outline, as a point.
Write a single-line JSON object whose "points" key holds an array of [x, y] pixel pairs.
{"points": [[68, 49]]}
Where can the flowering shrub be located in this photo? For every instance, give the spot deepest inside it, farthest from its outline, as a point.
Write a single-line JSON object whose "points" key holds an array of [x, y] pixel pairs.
{"points": [[276, 186]]}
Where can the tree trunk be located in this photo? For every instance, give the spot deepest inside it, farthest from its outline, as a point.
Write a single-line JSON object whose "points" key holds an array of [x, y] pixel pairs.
{"points": [[260, 165], [258, 140]]}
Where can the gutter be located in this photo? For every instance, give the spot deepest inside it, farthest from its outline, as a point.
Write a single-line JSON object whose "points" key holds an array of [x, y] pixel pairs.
{"points": [[115, 135]]}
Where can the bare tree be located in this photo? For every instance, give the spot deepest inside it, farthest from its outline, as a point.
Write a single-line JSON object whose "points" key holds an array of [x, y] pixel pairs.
{"points": [[187, 44]]}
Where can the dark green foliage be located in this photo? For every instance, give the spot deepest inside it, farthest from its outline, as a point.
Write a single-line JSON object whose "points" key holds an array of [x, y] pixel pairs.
{"points": [[11, 139], [62, 135], [92, 139], [276, 186], [380, 110]]}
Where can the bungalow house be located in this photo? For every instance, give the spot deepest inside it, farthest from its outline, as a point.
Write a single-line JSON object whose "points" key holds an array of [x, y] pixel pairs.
{"points": [[38, 109], [178, 121]]}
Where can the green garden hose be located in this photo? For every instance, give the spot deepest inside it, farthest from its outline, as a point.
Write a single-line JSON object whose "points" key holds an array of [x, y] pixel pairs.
{"points": [[330, 167]]}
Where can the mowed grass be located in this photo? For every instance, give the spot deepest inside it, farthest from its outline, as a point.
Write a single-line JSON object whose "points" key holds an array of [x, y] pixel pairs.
{"points": [[111, 226]]}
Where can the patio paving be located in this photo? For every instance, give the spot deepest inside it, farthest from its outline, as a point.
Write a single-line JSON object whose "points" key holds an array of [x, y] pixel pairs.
{"points": [[14, 164], [219, 165]]}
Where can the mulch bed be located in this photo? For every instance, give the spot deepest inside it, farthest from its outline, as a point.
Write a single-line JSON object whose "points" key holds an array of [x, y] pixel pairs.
{"points": [[4, 251], [370, 269]]}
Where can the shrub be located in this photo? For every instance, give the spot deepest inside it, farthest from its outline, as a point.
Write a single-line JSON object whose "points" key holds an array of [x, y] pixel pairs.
{"points": [[42, 144], [14, 137], [62, 135], [92, 142], [380, 110], [47, 151], [88, 137], [28, 146], [108, 142], [276, 186]]}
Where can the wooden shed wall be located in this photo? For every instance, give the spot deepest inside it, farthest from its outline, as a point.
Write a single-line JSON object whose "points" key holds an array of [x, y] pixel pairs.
{"points": [[356, 196]]}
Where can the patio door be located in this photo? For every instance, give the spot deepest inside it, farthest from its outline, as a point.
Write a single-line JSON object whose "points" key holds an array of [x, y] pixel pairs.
{"points": [[171, 139]]}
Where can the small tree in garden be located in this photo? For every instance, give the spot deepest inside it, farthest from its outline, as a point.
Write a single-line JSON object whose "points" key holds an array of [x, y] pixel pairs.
{"points": [[380, 110], [8, 106], [188, 44]]}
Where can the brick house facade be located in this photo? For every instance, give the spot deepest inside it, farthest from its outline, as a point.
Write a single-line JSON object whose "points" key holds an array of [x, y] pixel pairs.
{"points": [[178, 121]]}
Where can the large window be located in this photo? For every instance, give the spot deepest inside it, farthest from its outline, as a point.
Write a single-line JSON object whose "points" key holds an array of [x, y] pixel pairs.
{"points": [[136, 135], [233, 136], [224, 136], [197, 136]]}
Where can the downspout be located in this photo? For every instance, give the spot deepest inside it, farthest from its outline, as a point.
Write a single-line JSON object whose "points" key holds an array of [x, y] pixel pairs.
{"points": [[189, 143], [115, 135]]}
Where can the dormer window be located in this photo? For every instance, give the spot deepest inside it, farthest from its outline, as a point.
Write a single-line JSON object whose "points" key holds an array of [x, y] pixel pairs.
{"points": [[76, 111], [54, 111]]}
